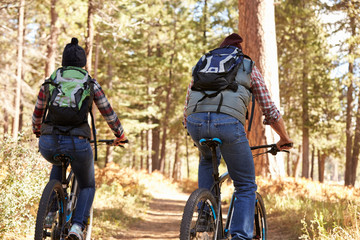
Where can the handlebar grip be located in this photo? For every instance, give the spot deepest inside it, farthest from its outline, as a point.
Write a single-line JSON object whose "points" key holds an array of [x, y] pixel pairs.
{"points": [[287, 145]]}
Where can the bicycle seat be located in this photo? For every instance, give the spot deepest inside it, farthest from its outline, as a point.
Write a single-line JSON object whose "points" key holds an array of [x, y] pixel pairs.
{"points": [[62, 157], [210, 141]]}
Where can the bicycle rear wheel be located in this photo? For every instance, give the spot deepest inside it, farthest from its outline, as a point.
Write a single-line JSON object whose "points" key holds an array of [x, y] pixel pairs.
{"points": [[198, 221], [52, 201], [260, 226]]}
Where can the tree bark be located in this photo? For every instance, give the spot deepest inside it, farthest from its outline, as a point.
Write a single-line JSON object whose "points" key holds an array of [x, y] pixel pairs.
{"points": [[155, 146], [20, 43], [148, 150], [168, 100], [51, 46], [97, 50], [321, 159], [351, 156], [312, 163], [142, 149], [110, 74], [257, 28], [177, 162], [305, 122], [187, 156], [356, 146], [90, 35]]}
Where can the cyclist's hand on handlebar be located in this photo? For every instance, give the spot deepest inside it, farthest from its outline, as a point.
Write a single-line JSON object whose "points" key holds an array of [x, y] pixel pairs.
{"points": [[285, 144], [120, 141]]}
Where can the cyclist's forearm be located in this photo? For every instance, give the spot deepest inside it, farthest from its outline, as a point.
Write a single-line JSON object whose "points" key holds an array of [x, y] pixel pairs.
{"points": [[280, 129]]}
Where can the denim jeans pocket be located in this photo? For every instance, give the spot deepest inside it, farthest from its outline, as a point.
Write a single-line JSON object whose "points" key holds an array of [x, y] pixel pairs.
{"points": [[193, 126], [230, 131]]}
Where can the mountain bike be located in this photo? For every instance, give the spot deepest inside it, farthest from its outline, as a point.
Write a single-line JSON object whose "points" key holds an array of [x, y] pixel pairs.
{"points": [[58, 203], [202, 217]]}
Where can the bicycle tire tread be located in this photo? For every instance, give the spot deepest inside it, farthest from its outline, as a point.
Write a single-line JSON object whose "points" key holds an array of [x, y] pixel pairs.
{"points": [[194, 198], [43, 206]]}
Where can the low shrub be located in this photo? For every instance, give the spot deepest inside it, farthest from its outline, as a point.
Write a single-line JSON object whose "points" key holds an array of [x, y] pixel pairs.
{"points": [[23, 175]]}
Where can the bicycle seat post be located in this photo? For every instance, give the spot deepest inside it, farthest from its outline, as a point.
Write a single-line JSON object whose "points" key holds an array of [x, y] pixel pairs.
{"points": [[63, 170], [214, 162], [65, 160]]}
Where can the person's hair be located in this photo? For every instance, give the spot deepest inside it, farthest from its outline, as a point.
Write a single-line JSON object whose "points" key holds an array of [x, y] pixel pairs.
{"points": [[233, 39]]}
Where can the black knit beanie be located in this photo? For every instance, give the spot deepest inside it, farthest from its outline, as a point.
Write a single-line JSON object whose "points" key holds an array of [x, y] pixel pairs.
{"points": [[74, 55]]}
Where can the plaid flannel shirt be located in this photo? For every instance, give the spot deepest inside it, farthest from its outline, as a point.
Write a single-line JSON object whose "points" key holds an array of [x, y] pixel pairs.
{"points": [[261, 94], [100, 100]]}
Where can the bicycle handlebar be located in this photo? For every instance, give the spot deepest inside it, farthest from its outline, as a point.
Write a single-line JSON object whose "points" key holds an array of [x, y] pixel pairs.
{"points": [[108, 141], [273, 148]]}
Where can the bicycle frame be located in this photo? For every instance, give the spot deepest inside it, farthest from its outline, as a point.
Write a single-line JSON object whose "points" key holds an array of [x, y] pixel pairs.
{"points": [[221, 231], [70, 198], [217, 184], [216, 189]]}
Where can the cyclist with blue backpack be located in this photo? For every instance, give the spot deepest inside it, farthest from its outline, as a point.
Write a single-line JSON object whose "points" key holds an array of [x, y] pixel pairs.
{"points": [[60, 120], [216, 106]]}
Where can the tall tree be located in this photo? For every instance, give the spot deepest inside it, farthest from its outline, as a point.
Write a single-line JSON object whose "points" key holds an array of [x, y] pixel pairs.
{"points": [[257, 27], [305, 77], [349, 51], [21, 16], [52, 43]]}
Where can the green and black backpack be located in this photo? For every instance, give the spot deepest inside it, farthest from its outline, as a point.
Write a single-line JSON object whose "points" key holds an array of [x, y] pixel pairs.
{"points": [[69, 97]]}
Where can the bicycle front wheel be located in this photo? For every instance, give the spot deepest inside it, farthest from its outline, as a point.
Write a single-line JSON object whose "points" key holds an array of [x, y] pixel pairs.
{"points": [[198, 221], [50, 215], [260, 226]]}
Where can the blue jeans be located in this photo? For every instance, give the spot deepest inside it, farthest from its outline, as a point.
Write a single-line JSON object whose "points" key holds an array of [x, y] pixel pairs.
{"points": [[82, 164], [236, 152]]}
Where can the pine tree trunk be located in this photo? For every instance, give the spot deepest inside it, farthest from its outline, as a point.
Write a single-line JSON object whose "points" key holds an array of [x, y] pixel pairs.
{"points": [[19, 66], [6, 114], [21, 115], [177, 162], [97, 50], [90, 35], [312, 163], [321, 159], [142, 149], [356, 146], [155, 144], [351, 157], [89, 46], [187, 156], [110, 74], [305, 126], [148, 150], [51, 46], [257, 28]]}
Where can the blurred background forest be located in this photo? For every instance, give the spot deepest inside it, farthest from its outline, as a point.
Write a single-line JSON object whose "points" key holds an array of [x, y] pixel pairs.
{"points": [[142, 53]]}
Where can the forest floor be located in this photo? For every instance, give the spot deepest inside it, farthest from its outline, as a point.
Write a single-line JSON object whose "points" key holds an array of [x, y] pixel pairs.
{"points": [[162, 221]]}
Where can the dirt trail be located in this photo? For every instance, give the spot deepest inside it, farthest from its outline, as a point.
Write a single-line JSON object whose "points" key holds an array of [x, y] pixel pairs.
{"points": [[162, 221]]}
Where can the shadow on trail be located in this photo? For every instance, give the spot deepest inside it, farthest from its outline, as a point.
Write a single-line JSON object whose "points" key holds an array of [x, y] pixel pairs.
{"points": [[162, 221]]}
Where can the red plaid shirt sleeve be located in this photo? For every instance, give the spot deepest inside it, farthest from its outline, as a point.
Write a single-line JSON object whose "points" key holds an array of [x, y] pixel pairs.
{"points": [[100, 100], [106, 110], [39, 110], [262, 96]]}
